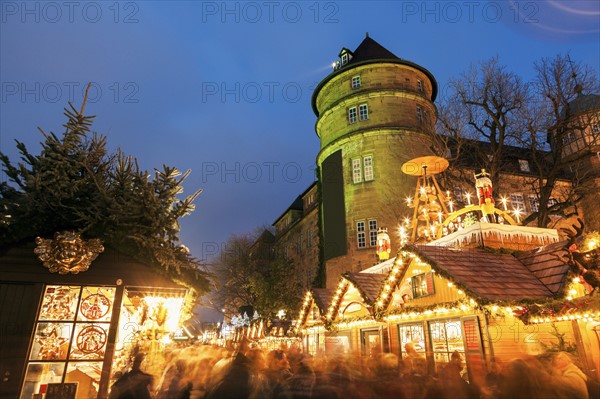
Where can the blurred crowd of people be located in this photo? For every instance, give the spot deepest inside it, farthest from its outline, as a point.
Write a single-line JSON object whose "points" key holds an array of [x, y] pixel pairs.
{"points": [[209, 372]]}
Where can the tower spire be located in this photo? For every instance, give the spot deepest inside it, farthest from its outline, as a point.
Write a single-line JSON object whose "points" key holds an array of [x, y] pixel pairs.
{"points": [[578, 88]]}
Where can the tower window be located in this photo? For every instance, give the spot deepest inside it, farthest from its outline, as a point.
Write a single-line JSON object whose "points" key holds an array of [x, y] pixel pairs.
{"points": [[344, 59], [363, 112], [361, 238], [372, 232], [419, 115], [368, 167], [352, 115], [362, 171], [420, 85], [356, 171], [524, 165], [595, 128], [356, 82]]}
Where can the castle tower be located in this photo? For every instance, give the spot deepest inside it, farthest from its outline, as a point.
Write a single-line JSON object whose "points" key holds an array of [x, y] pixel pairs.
{"points": [[374, 112]]}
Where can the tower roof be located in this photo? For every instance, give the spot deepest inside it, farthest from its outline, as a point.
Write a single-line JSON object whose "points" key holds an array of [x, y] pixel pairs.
{"points": [[582, 104], [371, 52], [369, 49]]}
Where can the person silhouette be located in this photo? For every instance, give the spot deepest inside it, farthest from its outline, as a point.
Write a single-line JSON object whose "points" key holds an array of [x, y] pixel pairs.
{"points": [[135, 384]]}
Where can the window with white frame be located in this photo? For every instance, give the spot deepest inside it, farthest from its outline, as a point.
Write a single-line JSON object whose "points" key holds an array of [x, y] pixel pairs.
{"points": [[534, 203], [517, 201], [372, 232], [552, 201], [356, 82], [524, 165], [344, 59], [363, 112], [420, 85], [595, 128], [356, 171], [352, 115], [419, 115], [362, 169], [361, 235], [414, 335], [368, 167]]}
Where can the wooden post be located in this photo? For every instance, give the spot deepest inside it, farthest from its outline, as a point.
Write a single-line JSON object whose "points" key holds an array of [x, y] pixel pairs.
{"points": [[110, 345]]}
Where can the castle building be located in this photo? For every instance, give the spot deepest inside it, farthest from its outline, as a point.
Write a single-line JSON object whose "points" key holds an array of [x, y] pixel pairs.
{"points": [[374, 112], [580, 151], [297, 235]]}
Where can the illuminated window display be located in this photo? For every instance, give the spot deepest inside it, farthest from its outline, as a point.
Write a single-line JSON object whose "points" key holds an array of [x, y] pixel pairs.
{"points": [[446, 337], [71, 339], [71, 329], [411, 335], [147, 320]]}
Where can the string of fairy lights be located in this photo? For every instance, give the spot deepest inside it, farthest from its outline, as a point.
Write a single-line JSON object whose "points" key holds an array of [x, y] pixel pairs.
{"points": [[466, 304]]}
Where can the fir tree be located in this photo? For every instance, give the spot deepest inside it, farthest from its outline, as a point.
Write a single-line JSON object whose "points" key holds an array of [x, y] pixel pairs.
{"points": [[76, 184]]}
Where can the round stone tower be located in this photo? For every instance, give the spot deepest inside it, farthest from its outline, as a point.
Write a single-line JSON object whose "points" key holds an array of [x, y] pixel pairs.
{"points": [[374, 112]]}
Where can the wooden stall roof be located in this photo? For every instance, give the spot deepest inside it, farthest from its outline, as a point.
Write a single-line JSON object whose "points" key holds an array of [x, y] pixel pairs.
{"points": [[18, 263], [368, 284], [322, 298], [488, 275], [548, 264]]}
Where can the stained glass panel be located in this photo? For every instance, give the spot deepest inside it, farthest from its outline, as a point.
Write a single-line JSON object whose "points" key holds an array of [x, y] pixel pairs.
{"points": [[89, 341], [59, 303], [96, 304], [51, 341]]}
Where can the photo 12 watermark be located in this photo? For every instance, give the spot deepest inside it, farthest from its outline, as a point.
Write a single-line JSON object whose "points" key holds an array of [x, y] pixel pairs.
{"points": [[254, 12], [68, 91], [250, 92], [526, 12], [53, 12], [251, 172]]}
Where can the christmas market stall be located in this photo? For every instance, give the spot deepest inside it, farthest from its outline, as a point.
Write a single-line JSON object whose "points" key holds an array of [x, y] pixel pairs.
{"points": [[468, 283], [74, 313], [310, 320], [483, 304]]}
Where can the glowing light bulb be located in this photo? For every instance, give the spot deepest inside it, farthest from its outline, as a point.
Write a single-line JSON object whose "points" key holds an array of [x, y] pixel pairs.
{"points": [[517, 213]]}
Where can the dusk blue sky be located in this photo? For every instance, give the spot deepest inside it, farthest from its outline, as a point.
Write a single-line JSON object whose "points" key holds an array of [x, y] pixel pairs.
{"points": [[224, 88]]}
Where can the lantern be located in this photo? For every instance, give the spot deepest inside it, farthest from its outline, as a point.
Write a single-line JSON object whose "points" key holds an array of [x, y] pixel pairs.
{"points": [[383, 244]]}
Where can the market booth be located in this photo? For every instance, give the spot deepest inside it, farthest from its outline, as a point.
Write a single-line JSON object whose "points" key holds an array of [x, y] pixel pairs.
{"points": [[485, 305], [73, 311]]}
